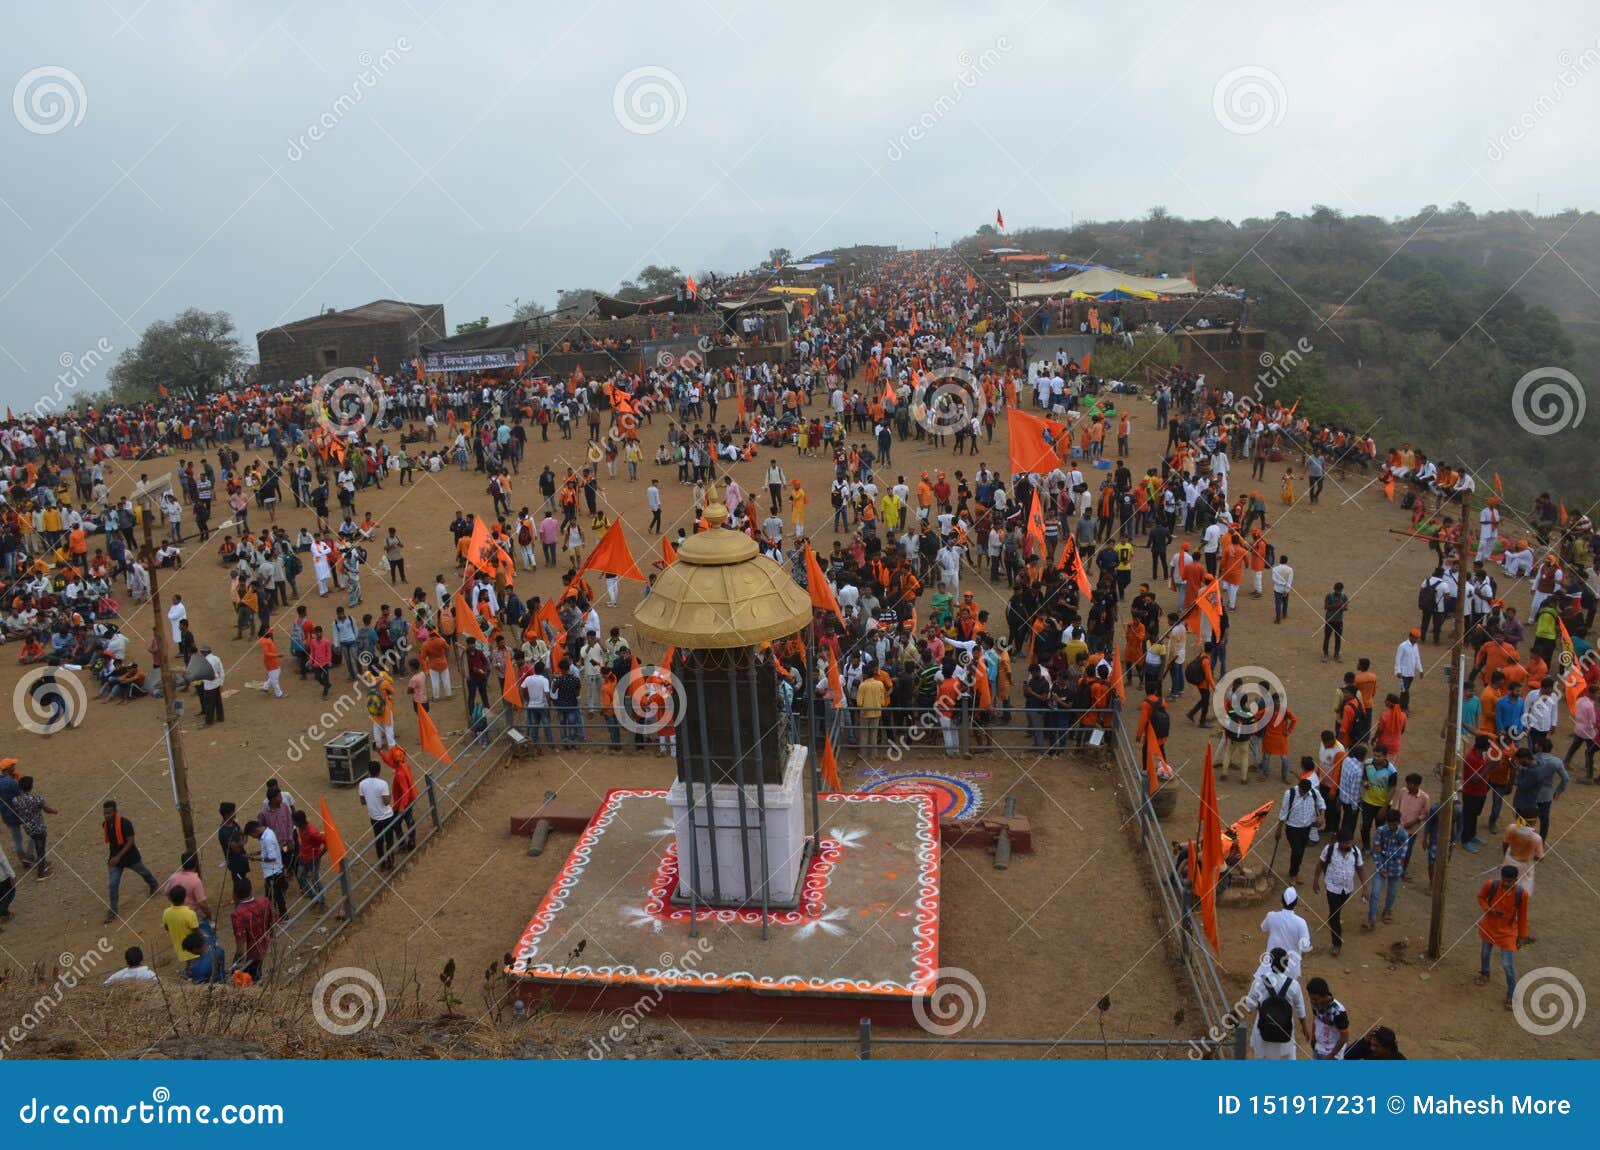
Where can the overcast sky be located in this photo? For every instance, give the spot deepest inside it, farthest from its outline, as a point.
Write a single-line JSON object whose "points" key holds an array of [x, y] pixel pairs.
{"points": [[270, 158]]}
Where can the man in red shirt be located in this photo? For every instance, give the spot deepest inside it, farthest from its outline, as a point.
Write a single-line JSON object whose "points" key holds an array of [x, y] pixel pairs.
{"points": [[252, 920], [404, 791], [308, 859]]}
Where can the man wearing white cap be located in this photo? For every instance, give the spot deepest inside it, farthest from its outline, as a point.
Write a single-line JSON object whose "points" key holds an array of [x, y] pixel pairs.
{"points": [[1285, 928]]}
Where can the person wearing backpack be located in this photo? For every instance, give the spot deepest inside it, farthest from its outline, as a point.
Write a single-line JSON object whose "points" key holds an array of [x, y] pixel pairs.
{"points": [[1198, 675], [1503, 926], [1278, 1002]]}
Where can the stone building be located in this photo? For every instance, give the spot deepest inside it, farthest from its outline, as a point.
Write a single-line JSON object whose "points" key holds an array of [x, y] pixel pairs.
{"points": [[387, 329]]}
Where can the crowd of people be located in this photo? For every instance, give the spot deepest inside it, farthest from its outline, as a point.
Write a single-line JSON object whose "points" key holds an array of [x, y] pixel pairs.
{"points": [[910, 568]]}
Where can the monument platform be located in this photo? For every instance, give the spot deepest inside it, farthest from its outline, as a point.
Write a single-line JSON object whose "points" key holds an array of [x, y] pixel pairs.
{"points": [[863, 941]]}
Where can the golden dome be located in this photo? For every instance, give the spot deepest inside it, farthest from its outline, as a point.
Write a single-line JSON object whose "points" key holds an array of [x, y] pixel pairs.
{"points": [[721, 592]]}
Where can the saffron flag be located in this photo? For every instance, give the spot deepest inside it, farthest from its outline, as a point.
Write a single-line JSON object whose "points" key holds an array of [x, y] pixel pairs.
{"points": [[1074, 564], [835, 683], [335, 841], [1036, 526], [693, 288], [467, 622], [612, 557], [1243, 829], [428, 736], [1151, 758], [1084, 366], [511, 692], [668, 552], [1388, 487], [830, 769], [1572, 680], [822, 596], [999, 220], [1031, 449], [485, 553], [1209, 602], [1498, 489], [1210, 850], [1116, 674]]}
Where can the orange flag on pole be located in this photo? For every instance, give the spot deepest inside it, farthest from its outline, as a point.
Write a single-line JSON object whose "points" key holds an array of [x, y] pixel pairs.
{"points": [[1388, 487], [429, 737], [668, 552], [1072, 560], [1031, 451], [1572, 679], [612, 557], [830, 769], [1116, 674], [1036, 526], [835, 683], [511, 691], [467, 622], [1150, 761], [822, 596], [1209, 603], [484, 553], [335, 841], [1210, 850]]}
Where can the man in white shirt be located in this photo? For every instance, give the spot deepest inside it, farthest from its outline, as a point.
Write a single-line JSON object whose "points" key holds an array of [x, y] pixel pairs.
{"points": [[1285, 928], [1302, 811], [134, 969], [1282, 585], [176, 614], [1408, 665], [374, 794], [275, 882], [1340, 863], [536, 698], [1211, 545]]}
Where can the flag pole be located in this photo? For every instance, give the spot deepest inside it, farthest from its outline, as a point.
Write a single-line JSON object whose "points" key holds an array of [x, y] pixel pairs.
{"points": [[1456, 678], [169, 706]]}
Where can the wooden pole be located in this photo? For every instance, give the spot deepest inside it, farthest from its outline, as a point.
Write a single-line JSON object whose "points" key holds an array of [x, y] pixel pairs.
{"points": [[1455, 678], [175, 756]]}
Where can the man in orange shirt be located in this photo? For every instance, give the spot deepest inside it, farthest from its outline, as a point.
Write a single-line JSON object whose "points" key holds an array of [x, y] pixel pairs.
{"points": [[945, 703], [436, 658], [1366, 681], [1275, 738], [1388, 728], [1503, 926], [272, 662]]}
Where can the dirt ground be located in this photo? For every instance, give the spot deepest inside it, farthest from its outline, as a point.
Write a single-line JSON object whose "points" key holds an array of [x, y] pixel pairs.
{"points": [[1036, 935]]}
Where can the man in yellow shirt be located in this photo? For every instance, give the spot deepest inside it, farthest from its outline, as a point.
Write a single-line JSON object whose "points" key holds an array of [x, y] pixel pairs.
{"points": [[870, 698], [181, 922]]}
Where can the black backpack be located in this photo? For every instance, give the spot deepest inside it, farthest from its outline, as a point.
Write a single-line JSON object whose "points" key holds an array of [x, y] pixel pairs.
{"points": [[1275, 1019], [1194, 674], [1161, 723]]}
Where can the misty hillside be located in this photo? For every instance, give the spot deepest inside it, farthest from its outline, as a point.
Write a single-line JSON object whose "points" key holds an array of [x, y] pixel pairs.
{"points": [[1421, 326]]}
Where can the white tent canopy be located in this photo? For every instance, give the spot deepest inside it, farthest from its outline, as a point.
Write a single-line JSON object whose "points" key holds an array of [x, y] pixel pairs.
{"points": [[1098, 281]]}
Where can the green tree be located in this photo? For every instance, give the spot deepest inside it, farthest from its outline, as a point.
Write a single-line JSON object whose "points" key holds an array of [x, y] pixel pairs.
{"points": [[778, 256], [192, 356], [472, 325]]}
